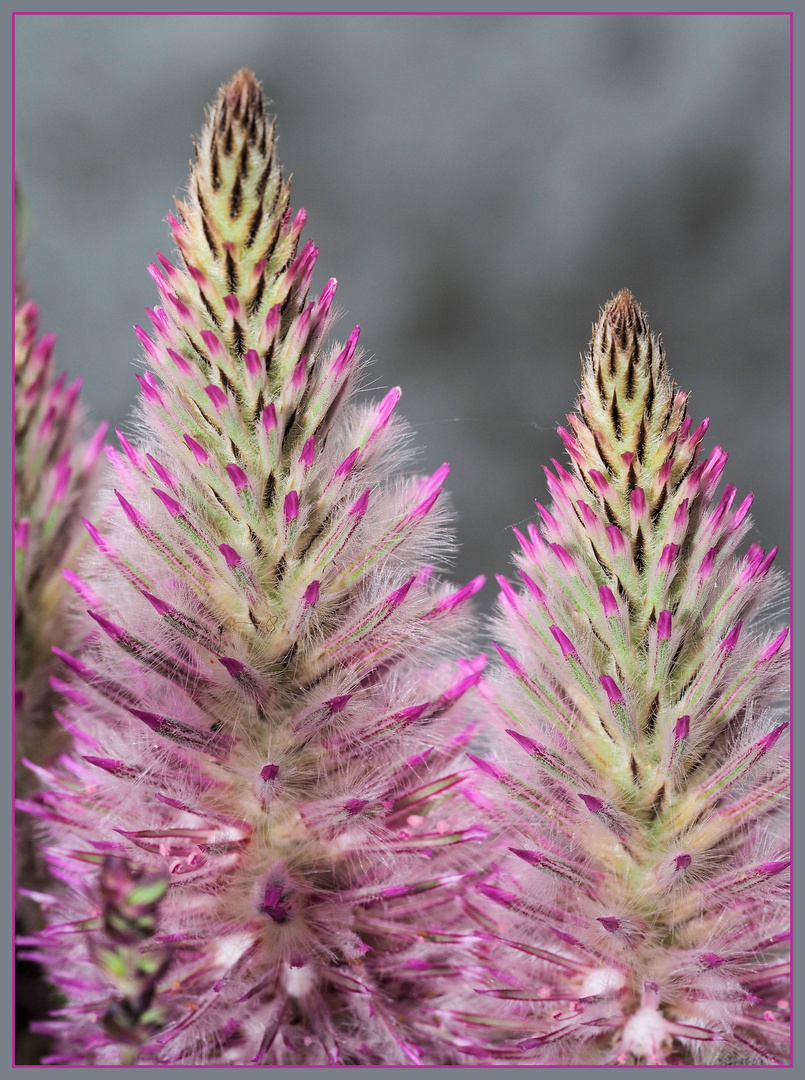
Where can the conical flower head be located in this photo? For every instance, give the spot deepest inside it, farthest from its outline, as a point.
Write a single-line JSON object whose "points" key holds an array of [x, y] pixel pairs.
{"points": [[267, 710], [640, 743]]}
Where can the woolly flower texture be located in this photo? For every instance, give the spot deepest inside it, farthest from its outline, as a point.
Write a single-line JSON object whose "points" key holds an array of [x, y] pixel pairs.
{"points": [[258, 810], [641, 764]]}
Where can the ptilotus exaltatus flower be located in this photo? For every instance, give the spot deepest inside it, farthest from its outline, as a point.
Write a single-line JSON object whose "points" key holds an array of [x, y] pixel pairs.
{"points": [[55, 476], [267, 711], [640, 745]]}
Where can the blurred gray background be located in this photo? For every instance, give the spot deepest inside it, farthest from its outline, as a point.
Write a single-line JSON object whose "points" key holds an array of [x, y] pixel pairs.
{"points": [[479, 185]]}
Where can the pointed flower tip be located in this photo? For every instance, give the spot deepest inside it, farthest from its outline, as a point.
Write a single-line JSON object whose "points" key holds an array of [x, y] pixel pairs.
{"points": [[217, 397], [358, 508], [507, 658], [664, 626], [291, 506], [269, 772], [774, 647], [613, 691], [731, 640], [610, 923], [237, 476], [682, 728], [233, 666], [198, 451], [608, 601], [116, 633], [171, 505], [564, 642], [230, 555], [768, 741], [311, 594], [592, 802], [527, 744]]}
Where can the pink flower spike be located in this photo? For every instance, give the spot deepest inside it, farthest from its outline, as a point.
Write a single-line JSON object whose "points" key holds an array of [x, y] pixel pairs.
{"points": [[338, 704], [326, 298], [667, 558], [601, 482], [88, 595], [395, 598], [116, 633], [588, 514], [768, 741], [664, 626], [237, 476], [233, 666], [773, 647], [199, 453], [571, 445], [425, 507], [343, 359], [613, 690], [532, 748], [134, 455], [230, 555], [448, 603], [731, 640], [513, 665], [159, 605], [252, 362], [269, 417], [698, 434], [134, 516], [96, 536], [345, 467], [22, 532], [213, 343], [637, 501], [358, 508], [299, 373], [616, 540], [682, 861], [164, 474], [386, 408], [146, 342], [299, 221], [308, 452], [508, 593], [682, 728], [608, 601], [592, 802], [269, 772], [234, 308], [547, 517], [742, 510], [434, 482], [150, 391], [610, 923], [707, 562], [199, 277], [291, 507], [217, 397], [766, 563], [665, 472], [534, 589], [311, 594], [171, 505], [564, 642], [565, 558]]}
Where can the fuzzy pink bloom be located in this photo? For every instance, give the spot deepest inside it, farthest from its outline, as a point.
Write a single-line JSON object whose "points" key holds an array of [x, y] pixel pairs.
{"points": [[267, 716], [646, 921]]}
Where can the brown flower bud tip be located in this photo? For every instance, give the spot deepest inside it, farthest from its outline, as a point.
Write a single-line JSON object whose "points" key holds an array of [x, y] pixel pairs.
{"points": [[625, 318], [243, 94]]}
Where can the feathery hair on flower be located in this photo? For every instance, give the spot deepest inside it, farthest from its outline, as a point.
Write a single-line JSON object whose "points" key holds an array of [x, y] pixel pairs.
{"points": [[267, 709], [641, 745], [55, 478]]}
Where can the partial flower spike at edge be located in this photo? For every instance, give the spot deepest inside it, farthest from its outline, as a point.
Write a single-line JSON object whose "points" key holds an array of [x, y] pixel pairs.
{"points": [[640, 758], [268, 720]]}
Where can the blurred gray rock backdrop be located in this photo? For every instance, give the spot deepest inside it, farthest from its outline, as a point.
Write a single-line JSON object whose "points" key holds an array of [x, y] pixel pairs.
{"points": [[479, 185]]}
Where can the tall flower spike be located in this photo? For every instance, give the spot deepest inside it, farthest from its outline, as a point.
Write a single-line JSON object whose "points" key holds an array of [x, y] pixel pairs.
{"points": [[649, 906], [55, 477], [267, 705]]}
